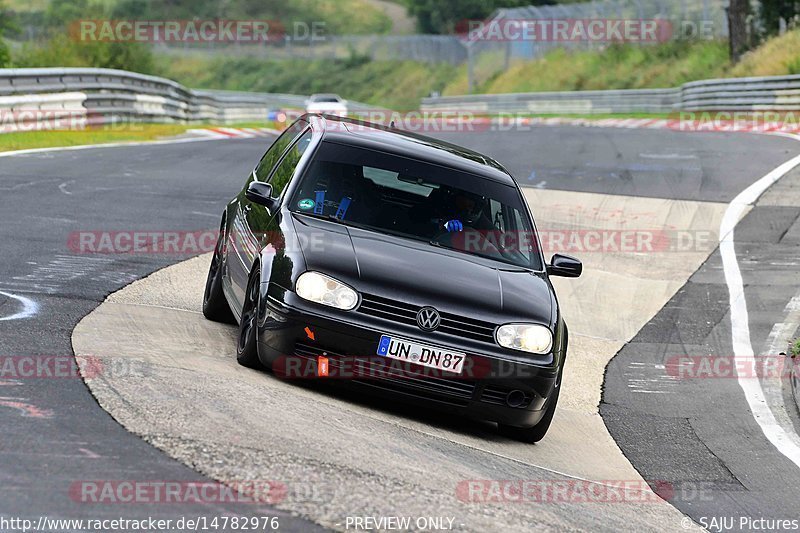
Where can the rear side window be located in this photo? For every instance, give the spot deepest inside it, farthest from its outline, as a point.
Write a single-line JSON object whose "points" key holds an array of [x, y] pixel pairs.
{"points": [[283, 174], [275, 151]]}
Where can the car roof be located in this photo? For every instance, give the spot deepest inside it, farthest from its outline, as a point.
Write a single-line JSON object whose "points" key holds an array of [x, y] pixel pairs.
{"points": [[408, 144]]}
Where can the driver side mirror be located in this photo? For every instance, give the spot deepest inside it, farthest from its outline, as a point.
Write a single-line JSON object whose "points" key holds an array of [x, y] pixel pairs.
{"points": [[260, 193], [565, 266]]}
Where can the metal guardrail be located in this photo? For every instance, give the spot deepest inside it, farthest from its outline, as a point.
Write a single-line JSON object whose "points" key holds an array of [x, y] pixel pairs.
{"points": [[109, 95], [749, 94], [623, 101], [778, 93]]}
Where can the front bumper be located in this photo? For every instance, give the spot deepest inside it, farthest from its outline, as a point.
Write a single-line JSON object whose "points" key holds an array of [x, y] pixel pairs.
{"points": [[501, 389]]}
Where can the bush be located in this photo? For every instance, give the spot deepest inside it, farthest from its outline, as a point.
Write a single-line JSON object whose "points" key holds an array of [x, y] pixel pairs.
{"points": [[795, 348], [5, 56], [61, 51]]}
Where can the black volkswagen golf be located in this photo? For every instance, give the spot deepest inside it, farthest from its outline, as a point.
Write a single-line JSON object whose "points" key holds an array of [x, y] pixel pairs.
{"points": [[403, 264]]}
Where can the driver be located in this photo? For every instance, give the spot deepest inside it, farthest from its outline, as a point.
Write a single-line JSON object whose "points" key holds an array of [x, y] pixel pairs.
{"points": [[467, 211]]}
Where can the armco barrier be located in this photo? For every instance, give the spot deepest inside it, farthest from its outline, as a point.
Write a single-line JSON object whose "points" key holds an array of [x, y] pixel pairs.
{"points": [[749, 94], [589, 102], [108, 95], [778, 93]]}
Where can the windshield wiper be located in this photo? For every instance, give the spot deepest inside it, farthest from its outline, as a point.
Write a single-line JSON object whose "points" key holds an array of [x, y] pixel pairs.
{"points": [[332, 218]]}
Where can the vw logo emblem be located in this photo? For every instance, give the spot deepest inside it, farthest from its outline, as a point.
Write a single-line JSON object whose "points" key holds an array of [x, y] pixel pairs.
{"points": [[428, 319]]}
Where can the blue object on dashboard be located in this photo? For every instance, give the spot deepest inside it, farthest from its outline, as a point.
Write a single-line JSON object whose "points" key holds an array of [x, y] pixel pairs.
{"points": [[343, 205], [320, 205]]}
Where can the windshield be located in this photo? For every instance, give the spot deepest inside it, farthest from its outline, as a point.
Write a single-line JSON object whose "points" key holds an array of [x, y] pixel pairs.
{"points": [[418, 200], [325, 98]]}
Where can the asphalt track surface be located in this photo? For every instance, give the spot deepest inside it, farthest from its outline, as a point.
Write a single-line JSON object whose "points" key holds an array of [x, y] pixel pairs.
{"points": [[697, 431], [63, 436]]}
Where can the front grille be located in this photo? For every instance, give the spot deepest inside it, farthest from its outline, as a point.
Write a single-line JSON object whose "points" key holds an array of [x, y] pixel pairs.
{"points": [[404, 313], [375, 372]]}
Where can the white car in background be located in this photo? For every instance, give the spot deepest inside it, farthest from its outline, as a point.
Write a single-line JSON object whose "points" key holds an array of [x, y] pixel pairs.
{"points": [[331, 104]]}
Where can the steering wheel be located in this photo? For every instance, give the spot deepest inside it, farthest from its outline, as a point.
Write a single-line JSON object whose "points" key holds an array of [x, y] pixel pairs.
{"points": [[445, 237]]}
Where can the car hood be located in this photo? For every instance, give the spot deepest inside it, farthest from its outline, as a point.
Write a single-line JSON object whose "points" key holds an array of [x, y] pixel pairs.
{"points": [[422, 274]]}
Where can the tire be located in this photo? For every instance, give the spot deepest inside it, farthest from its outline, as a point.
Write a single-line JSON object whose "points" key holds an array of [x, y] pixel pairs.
{"points": [[215, 306], [534, 433], [247, 343]]}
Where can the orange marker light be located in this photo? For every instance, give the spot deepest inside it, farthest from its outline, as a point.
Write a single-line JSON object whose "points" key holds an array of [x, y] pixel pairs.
{"points": [[322, 366]]}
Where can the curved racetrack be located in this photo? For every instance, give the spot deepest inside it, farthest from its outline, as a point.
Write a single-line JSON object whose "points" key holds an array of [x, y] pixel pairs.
{"points": [[342, 456]]}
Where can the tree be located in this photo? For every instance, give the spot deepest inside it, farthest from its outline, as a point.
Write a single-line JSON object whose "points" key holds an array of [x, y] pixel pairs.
{"points": [[6, 23], [737, 28], [60, 13], [445, 16], [772, 12]]}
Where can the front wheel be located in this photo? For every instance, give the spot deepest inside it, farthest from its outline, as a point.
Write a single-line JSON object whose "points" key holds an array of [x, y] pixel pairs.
{"points": [[247, 345], [215, 306], [534, 433]]}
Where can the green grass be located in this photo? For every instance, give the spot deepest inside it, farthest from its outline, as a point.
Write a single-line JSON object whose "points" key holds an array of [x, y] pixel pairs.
{"points": [[103, 135], [780, 55], [637, 67], [795, 348], [396, 84], [401, 84], [617, 67]]}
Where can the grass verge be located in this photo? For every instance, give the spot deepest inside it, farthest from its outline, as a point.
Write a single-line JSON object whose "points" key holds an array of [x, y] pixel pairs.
{"points": [[137, 132]]}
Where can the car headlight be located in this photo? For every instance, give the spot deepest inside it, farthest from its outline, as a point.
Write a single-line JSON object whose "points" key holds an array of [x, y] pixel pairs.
{"points": [[533, 338], [325, 290]]}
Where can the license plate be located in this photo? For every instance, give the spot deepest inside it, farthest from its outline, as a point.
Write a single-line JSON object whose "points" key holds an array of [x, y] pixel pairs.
{"points": [[421, 354]]}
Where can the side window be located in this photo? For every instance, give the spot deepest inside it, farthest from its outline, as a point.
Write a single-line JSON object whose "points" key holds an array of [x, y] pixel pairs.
{"points": [[280, 178], [275, 151], [525, 236]]}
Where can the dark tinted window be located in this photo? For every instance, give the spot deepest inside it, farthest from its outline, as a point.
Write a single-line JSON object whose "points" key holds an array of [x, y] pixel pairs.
{"points": [[418, 200], [317, 98], [275, 151], [286, 168]]}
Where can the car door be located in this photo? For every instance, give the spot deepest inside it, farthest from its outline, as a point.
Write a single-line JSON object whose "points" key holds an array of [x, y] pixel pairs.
{"points": [[243, 244]]}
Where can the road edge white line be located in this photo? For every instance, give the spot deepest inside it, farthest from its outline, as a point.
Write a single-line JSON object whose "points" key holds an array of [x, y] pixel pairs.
{"points": [[29, 307], [740, 326], [28, 151]]}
